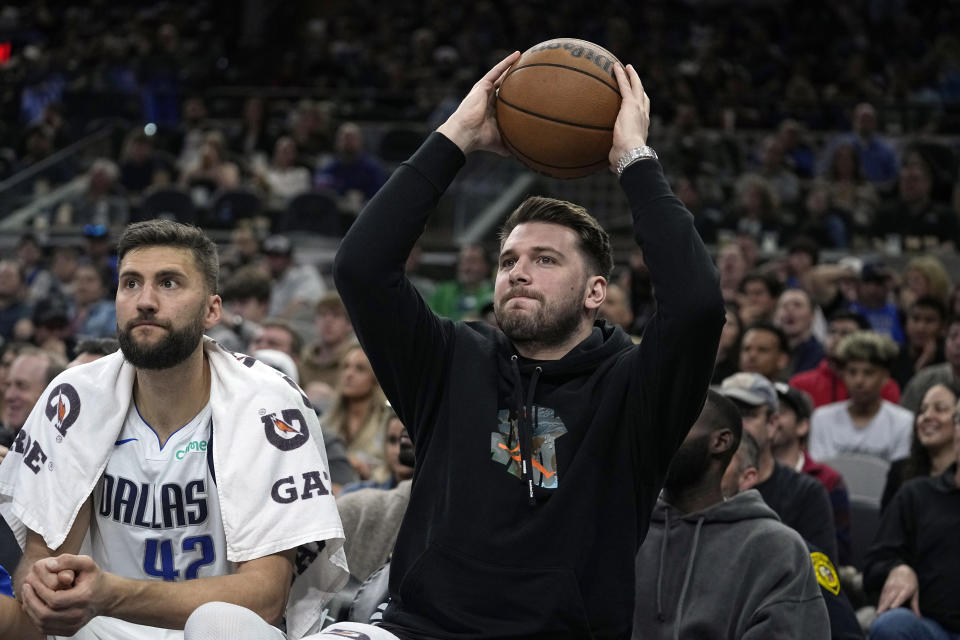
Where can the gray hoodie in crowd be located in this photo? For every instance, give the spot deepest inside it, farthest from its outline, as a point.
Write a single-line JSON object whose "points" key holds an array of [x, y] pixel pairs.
{"points": [[730, 571]]}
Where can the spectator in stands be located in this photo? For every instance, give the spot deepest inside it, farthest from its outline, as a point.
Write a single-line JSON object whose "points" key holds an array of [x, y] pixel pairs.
{"points": [[99, 248], [246, 298], [243, 250], [280, 335], [94, 314], [818, 219], [721, 567], [253, 137], [357, 412], [192, 132], [795, 314], [850, 193], [616, 308], [63, 267], [392, 470], [352, 170], [210, 170], [705, 218], [932, 448], [947, 373], [914, 562], [865, 423], [757, 209], [773, 168], [371, 518], [470, 291], [101, 202], [728, 353], [283, 178], [321, 360], [759, 292], [801, 502], [30, 373], [13, 297], [741, 476], [803, 254], [797, 151], [310, 130], [914, 220], [877, 157], [825, 383], [926, 323], [924, 276], [789, 446], [93, 349], [295, 288], [30, 254], [764, 349], [873, 293], [141, 166], [49, 327], [733, 268]]}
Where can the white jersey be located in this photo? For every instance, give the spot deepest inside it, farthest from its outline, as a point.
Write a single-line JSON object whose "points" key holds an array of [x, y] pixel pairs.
{"points": [[156, 514]]}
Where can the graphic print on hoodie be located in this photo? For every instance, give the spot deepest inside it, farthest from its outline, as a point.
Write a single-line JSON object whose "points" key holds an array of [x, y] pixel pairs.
{"points": [[505, 445]]}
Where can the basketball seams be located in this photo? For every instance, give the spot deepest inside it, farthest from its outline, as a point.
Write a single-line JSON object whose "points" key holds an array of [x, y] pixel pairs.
{"points": [[516, 151], [557, 120], [568, 68]]}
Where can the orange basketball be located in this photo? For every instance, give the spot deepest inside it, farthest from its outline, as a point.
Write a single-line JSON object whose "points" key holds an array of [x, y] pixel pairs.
{"points": [[557, 105]]}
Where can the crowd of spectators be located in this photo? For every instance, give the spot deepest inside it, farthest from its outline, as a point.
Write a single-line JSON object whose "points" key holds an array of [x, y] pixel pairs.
{"points": [[780, 146]]}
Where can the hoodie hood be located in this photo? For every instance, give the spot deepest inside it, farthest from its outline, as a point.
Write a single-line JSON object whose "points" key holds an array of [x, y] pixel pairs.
{"points": [[747, 505], [520, 376]]}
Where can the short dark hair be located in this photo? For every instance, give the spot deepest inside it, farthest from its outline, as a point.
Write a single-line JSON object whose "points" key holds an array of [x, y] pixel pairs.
{"points": [[167, 233], [852, 316], [807, 245], [594, 241], [245, 283], [718, 413], [296, 341], [930, 302], [97, 346], [768, 280], [763, 325]]}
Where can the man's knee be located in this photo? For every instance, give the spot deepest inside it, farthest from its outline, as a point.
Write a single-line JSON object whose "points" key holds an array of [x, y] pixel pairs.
{"points": [[897, 624], [224, 621]]}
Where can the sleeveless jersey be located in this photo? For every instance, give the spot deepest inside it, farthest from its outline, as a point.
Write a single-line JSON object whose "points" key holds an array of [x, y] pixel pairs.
{"points": [[156, 514]]}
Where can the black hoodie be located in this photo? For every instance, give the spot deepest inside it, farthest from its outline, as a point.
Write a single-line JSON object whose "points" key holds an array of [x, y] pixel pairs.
{"points": [[487, 549]]}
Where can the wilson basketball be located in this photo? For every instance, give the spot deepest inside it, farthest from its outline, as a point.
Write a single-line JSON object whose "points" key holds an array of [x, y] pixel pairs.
{"points": [[557, 105]]}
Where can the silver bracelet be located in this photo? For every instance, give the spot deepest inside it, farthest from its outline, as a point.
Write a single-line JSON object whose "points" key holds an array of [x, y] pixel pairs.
{"points": [[634, 155]]}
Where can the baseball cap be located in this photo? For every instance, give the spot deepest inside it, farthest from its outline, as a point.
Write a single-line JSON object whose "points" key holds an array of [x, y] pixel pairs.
{"points": [[795, 399], [750, 388], [874, 272], [278, 246]]}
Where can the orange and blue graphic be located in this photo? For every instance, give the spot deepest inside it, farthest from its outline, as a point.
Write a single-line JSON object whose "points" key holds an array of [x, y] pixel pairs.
{"points": [[505, 446]]}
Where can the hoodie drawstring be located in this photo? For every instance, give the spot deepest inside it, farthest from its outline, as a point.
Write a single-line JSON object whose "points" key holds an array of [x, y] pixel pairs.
{"points": [[663, 561], [527, 420], [686, 578]]}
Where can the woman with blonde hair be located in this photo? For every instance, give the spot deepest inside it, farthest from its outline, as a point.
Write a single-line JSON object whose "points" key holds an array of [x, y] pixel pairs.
{"points": [[925, 276], [358, 412]]}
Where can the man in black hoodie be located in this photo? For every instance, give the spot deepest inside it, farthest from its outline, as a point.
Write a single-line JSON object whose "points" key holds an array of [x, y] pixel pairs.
{"points": [[541, 450]]}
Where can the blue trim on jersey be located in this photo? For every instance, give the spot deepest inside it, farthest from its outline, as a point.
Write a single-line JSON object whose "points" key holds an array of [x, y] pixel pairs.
{"points": [[213, 474], [120, 442], [155, 431], [6, 588]]}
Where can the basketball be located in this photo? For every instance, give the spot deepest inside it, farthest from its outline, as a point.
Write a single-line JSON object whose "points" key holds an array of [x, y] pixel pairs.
{"points": [[557, 105]]}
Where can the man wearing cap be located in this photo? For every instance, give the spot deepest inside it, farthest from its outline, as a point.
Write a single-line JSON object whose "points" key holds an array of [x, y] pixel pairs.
{"points": [[296, 287], [789, 444], [873, 291], [801, 502], [321, 360]]}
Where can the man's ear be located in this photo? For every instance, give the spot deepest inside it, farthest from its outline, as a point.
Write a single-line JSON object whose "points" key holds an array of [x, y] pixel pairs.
{"points": [[596, 292], [214, 311], [803, 428], [748, 478], [720, 441]]}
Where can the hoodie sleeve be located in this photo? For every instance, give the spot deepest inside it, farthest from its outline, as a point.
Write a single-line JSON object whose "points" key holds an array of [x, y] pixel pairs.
{"points": [[893, 543], [403, 338], [675, 360]]}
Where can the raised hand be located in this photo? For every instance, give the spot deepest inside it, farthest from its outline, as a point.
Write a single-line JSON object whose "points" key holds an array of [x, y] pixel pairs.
{"points": [[473, 126], [633, 121]]}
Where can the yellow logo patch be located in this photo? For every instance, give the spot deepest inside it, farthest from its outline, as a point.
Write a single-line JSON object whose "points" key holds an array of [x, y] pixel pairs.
{"points": [[826, 574]]}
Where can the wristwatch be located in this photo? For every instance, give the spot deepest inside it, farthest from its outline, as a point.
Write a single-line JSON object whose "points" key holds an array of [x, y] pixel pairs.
{"points": [[635, 154]]}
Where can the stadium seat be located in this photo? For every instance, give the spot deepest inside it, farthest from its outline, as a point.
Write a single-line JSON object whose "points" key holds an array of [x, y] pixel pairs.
{"points": [[230, 206], [167, 202], [315, 212], [864, 475], [864, 521]]}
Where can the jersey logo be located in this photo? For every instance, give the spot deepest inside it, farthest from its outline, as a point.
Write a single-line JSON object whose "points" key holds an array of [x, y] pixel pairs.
{"points": [[826, 574], [286, 432], [63, 407], [505, 446]]}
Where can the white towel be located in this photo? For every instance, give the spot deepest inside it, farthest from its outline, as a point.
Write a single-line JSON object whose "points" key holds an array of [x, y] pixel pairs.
{"points": [[262, 427]]}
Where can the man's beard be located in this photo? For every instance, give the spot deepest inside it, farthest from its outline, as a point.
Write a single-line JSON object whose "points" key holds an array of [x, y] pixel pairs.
{"points": [[551, 324], [688, 466], [168, 352]]}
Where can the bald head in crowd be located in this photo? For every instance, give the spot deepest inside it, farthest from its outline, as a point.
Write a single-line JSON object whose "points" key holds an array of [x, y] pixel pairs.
{"points": [[30, 373]]}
